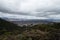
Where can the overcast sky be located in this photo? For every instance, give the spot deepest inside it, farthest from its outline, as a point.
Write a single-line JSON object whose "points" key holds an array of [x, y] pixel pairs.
{"points": [[30, 9]]}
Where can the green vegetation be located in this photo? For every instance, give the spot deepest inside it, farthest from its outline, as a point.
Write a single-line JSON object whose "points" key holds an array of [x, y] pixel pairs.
{"points": [[36, 32]]}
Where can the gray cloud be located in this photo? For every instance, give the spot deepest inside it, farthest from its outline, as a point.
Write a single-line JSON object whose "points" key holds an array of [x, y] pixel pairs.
{"points": [[38, 8]]}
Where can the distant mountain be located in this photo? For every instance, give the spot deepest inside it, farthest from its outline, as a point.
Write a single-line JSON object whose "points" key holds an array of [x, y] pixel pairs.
{"points": [[21, 19], [40, 20], [32, 21], [29, 21], [14, 19]]}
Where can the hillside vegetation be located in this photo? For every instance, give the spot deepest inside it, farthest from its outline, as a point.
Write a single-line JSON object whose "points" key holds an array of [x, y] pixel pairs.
{"points": [[10, 31]]}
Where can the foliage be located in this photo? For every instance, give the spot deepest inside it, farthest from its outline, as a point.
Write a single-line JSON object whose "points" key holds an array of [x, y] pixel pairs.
{"points": [[50, 31]]}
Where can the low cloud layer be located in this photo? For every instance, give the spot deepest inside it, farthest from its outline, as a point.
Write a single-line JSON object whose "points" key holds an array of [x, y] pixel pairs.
{"points": [[34, 8]]}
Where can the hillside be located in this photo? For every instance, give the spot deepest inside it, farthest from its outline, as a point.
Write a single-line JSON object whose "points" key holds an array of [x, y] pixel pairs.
{"points": [[10, 31], [7, 26]]}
